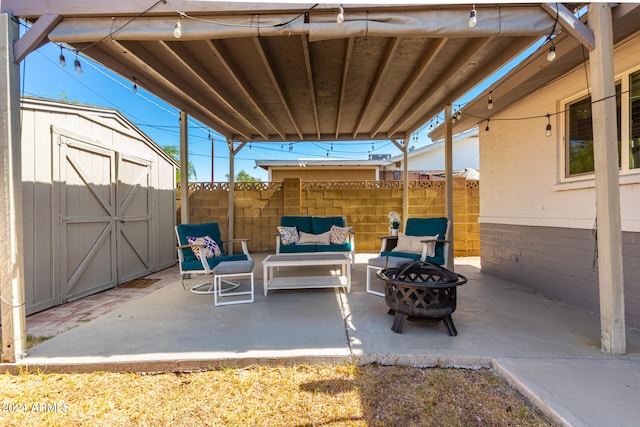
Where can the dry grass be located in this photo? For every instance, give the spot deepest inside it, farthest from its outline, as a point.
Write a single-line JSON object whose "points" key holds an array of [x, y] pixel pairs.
{"points": [[306, 395]]}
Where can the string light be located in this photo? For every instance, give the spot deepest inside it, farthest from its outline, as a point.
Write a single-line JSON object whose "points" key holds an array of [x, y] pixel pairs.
{"points": [[62, 59], [548, 130], [552, 53], [473, 20], [486, 129], [76, 65], [490, 102], [135, 86], [177, 31], [340, 17], [458, 115]]}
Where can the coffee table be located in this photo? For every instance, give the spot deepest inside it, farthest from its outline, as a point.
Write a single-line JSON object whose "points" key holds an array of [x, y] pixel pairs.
{"points": [[306, 282]]}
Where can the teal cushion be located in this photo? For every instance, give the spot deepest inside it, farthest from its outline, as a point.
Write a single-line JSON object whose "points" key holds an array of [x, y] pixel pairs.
{"points": [[197, 265], [302, 223], [342, 247], [322, 225], [210, 229], [416, 257], [296, 249], [429, 227]]}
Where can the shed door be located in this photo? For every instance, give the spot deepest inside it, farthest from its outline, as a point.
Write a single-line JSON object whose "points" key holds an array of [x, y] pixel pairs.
{"points": [[87, 218], [134, 218]]}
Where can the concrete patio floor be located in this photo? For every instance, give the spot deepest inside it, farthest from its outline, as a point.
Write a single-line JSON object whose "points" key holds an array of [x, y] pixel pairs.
{"points": [[547, 350]]}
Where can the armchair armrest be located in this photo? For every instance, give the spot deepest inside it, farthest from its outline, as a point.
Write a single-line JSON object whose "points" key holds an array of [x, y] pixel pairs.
{"points": [[388, 243], [243, 243]]}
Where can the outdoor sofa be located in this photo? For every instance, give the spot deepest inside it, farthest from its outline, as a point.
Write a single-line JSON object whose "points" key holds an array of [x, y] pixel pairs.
{"points": [[304, 234]]}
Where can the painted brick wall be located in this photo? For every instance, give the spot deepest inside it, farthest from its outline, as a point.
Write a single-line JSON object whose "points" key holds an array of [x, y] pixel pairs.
{"points": [[365, 204], [558, 262]]}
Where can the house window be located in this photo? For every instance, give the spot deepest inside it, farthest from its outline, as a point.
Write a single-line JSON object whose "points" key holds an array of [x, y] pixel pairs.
{"points": [[579, 128], [634, 120]]}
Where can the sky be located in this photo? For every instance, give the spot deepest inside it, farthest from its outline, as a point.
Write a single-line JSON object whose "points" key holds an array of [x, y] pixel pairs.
{"points": [[42, 76]]}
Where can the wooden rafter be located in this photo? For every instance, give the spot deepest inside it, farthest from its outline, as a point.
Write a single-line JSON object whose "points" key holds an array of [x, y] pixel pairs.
{"points": [[275, 82], [196, 73], [343, 82], [242, 84], [442, 79], [383, 67], [312, 91], [428, 58]]}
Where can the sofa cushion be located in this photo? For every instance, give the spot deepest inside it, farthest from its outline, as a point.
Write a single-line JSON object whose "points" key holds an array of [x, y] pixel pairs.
{"points": [[318, 239], [438, 259], [302, 223], [288, 235], [323, 224], [296, 249], [413, 244], [344, 247], [339, 235], [204, 246], [196, 265]]}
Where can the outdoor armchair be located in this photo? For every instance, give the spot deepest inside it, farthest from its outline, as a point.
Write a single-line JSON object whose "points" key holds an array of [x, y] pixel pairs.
{"points": [[206, 239]]}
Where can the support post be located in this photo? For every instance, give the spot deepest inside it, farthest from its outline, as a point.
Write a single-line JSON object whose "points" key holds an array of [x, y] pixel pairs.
{"points": [[448, 169], [232, 184], [184, 169], [12, 303], [605, 153], [405, 179]]}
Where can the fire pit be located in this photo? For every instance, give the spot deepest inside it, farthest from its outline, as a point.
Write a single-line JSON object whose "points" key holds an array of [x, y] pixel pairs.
{"points": [[421, 290]]}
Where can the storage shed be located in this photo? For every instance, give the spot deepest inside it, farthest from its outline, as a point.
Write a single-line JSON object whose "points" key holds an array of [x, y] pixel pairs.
{"points": [[98, 201]]}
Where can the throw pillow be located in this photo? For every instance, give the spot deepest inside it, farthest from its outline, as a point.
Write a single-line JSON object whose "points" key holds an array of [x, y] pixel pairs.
{"points": [[288, 235], [413, 244], [339, 235], [318, 239], [205, 246]]}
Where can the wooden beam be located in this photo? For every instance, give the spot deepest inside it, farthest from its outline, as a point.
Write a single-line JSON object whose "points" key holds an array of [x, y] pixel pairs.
{"points": [[269, 69], [12, 303], [427, 59], [605, 153], [35, 37], [343, 84], [460, 62], [571, 24], [383, 67], [201, 82], [312, 90], [235, 74]]}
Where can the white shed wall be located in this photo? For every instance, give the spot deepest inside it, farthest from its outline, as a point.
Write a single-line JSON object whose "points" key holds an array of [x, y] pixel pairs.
{"points": [[43, 122]]}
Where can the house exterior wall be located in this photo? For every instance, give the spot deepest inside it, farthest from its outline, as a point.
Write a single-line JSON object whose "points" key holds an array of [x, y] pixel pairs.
{"points": [[323, 174], [44, 123], [536, 225]]}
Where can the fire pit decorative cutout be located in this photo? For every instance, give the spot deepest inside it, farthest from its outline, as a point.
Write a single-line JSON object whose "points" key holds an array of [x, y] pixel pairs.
{"points": [[421, 290]]}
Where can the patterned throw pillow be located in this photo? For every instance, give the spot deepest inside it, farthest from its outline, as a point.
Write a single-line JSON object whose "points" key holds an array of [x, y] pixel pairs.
{"points": [[205, 246], [288, 235], [339, 235]]}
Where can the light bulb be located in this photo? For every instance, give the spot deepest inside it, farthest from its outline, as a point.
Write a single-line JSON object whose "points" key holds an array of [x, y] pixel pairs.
{"points": [[63, 61], [458, 115], [552, 53], [340, 17], [77, 66], [177, 31], [548, 129], [490, 103], [473, 18]]}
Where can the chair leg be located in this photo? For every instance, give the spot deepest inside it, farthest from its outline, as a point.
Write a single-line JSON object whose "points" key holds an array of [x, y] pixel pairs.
{"points": [[398, 322], [369, 290]]}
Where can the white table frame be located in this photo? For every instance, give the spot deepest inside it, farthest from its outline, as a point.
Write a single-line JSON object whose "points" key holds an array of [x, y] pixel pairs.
{"points": [[306, 282]]}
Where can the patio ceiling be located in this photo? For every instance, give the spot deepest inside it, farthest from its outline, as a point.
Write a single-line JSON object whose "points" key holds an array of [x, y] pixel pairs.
{"points": [[289, 72]]}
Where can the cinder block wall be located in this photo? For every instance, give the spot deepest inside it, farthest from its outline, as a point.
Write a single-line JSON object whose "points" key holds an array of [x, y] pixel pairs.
{"points": [[365, 204]]}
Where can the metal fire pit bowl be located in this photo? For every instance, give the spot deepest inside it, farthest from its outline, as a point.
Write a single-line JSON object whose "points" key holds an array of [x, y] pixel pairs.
{"points": [[421, 290]]}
